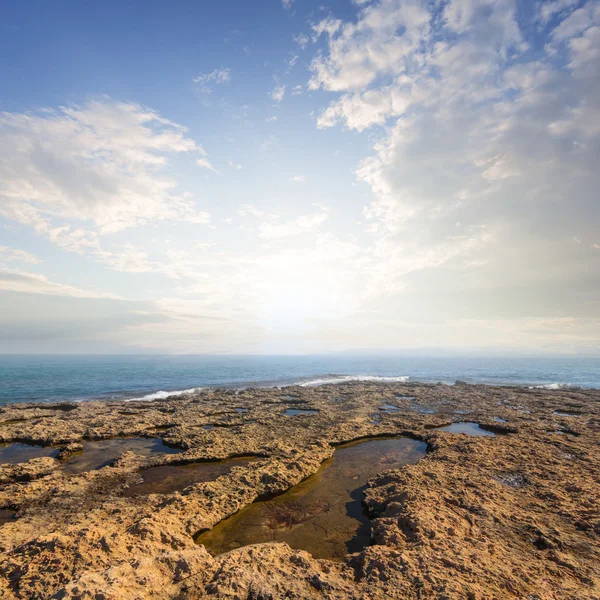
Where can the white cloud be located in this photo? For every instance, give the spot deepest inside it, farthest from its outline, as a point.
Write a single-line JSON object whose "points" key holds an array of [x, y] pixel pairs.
{"points": [[79, 173], [327, 26], [298, 178], [32, 283], [302, 40], [278, 93], [250, 209], [100, 164], [129, 259], [575, 24], [371, 107], [287, 4], [206, 81], [300, 225], [205, 164], [478, 131], [547, 10], [271, 119], [15, 255]]}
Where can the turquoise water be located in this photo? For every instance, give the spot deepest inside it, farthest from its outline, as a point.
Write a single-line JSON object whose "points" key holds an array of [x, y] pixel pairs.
{"points": [[50, 378]]}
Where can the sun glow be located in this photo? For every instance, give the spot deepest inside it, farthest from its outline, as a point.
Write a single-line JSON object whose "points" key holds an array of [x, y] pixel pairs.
{"points": [[296, 295]]}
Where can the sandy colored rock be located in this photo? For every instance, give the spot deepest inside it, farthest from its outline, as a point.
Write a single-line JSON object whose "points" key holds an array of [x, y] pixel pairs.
{"points": [[28, 471], [516, 515], [69, 450]]}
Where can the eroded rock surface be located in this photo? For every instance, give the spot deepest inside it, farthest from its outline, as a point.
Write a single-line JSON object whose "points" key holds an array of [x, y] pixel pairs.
{"points": [[516, 515]]}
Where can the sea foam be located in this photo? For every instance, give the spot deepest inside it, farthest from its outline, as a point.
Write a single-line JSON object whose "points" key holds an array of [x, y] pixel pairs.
{"points": [[334, 379], [161, 394], [550, 386]]}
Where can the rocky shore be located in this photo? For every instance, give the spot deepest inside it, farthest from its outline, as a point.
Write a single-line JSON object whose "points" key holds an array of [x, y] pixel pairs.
{"points": [[515, 515]]}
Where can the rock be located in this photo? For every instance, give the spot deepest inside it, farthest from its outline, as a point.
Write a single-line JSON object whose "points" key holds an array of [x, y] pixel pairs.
{"points": [[511, 516], [27, 471], [69, 450]]}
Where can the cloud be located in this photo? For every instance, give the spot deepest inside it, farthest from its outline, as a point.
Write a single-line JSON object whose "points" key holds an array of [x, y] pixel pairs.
{"points": [[40, 322], [302, 40], [287, 4], [205, 164], [100, 164], [481, 171], [15, 255], [304, 224], [250, 209], [77, 174], [547, 10], [327, 26], [298, 178], [486, 150], [278, 93], [17, 281], [206, 81], [129, 259]]}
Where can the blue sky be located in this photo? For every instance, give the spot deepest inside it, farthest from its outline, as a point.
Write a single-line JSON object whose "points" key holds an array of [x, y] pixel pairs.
{"points": [[299, 177]]}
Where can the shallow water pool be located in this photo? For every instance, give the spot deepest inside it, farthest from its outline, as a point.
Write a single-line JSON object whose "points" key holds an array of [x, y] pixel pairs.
{"points": [[18, 453], [98, 454], [567, 413], [167, 479], [468, 428], [292, 412], [324, 514]]}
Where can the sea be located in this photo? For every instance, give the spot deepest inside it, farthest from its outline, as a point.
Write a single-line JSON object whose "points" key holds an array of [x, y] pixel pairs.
{"points": [[51, 378]]}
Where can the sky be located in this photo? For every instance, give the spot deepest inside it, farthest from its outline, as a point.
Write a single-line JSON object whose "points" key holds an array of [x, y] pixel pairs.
{"points": [[288, 176]]}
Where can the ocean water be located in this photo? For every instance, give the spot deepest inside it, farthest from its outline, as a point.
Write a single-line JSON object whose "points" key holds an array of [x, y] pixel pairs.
{"points": [[36, 378]]}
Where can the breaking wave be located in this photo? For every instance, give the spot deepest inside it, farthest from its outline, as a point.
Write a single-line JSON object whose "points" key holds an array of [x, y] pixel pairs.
{"points": [[323, 380], [161, 394], [331, 379], [551, 386]]}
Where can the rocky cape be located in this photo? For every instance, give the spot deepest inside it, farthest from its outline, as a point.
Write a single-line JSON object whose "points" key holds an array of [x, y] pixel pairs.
{"points": [[516, 515]]}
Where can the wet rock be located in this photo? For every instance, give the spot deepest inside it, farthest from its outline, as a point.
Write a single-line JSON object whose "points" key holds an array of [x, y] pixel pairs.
{"points": [[69, 450]]}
